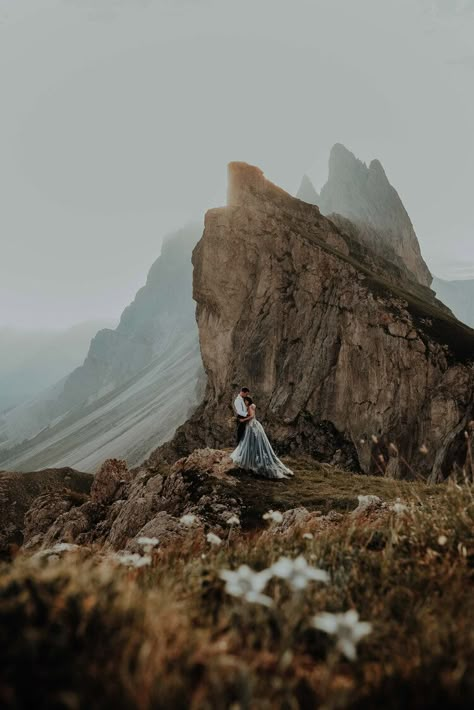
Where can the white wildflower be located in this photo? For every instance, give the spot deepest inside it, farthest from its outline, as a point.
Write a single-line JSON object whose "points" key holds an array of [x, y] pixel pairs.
{"points": [[64, 547], [132, 559], [53, 553], [399, 508], [347, 629], [247, 584], [213, 539], [442, 540], [233, 520], [298, 572], [274, 515], [366, 503], [308, 536], [148, 542], [188, 520]]}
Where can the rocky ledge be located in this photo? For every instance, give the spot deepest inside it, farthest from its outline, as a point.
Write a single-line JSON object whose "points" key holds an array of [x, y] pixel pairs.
{"points": [[197, 495]]}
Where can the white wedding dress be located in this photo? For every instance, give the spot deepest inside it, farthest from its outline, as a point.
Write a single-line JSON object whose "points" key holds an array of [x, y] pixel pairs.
{"points": [[255, 453]]}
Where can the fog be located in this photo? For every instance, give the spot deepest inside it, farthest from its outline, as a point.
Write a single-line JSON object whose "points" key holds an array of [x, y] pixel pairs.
{"points": [[118, 118]]}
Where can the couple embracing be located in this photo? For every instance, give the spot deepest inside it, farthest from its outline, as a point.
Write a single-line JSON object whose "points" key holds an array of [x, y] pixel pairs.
{"points": [[254, 451]]}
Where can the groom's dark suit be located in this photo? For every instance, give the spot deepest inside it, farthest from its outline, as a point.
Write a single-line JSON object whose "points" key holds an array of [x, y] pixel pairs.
{"points": [[240, 429]]}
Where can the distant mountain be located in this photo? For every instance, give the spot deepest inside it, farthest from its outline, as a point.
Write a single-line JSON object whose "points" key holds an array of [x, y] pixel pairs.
{"points": [[307, 192], [365, 196], [136, 385], [31, 361], [459, 296]]}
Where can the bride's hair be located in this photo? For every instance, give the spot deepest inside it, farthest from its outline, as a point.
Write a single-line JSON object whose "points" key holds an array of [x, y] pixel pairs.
{"points": [[248, 400]]}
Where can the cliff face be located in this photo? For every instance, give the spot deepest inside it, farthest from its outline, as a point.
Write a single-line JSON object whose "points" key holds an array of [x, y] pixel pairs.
{"points": [[343, 354], [137, 384], [365, 196]]}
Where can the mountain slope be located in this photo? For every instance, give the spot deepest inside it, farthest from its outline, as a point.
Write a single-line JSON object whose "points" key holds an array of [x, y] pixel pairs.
{"points": [[136, 385]]}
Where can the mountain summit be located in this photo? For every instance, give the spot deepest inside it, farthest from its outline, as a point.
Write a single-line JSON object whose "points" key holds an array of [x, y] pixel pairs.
{"points": [[365, 196]]}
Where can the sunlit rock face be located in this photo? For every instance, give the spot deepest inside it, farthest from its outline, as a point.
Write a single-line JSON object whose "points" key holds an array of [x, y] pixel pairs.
{"points": [[344, 351], [365, 196]]}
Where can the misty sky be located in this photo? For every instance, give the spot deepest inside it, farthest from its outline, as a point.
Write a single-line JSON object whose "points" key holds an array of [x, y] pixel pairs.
{"points": [[118, 117]]}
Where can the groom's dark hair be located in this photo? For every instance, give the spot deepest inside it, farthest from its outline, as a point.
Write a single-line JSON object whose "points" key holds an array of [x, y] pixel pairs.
{"points": [[244, 390]]}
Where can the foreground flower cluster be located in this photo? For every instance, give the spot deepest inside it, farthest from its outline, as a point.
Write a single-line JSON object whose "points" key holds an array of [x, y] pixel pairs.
{"points": [[249, 585], [278, 618]]}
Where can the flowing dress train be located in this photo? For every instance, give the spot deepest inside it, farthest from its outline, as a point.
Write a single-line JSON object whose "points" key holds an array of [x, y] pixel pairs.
{"points": [[255, 453]]}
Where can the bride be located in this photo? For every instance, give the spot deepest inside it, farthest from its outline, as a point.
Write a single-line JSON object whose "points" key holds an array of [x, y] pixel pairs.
{"points": [[255, 452]]}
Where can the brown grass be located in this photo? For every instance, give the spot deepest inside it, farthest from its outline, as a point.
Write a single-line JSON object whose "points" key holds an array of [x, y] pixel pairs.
{"points": [[80, 632]]}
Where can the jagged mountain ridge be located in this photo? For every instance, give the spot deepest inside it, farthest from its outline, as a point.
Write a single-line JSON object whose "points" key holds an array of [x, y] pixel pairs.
{"points": [[364, 195], [337, 343], [346, 199], [136, 385]]}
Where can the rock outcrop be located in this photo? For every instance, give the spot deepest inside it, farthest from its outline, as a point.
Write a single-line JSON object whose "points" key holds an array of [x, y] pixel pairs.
{"points": [[137, 384], [343, 352], [365, 196], [198, 494], [49, 491], [123, 505]]}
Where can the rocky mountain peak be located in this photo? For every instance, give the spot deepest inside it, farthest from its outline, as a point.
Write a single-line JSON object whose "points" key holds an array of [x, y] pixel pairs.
{"points": [[307, 192], [365, 196], [344, 164]]}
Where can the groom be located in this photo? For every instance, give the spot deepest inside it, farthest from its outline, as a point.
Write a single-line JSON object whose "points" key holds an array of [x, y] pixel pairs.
{"points": [[241, 411]]}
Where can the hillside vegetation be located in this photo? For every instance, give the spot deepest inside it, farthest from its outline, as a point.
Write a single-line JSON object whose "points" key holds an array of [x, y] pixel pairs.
{"points": [[87, 627]]}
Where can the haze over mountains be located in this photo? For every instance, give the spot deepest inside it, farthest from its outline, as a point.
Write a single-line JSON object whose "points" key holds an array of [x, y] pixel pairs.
{"points": [[142, 380], [137, 383], [364, 195], [31, 361]]}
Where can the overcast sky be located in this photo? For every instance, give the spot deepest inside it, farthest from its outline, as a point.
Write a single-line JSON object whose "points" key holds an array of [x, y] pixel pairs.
{"points": [[118, 117]]}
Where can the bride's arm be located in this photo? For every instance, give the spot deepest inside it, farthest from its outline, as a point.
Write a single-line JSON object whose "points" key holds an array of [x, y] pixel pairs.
{"points": [[250, 413]]}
